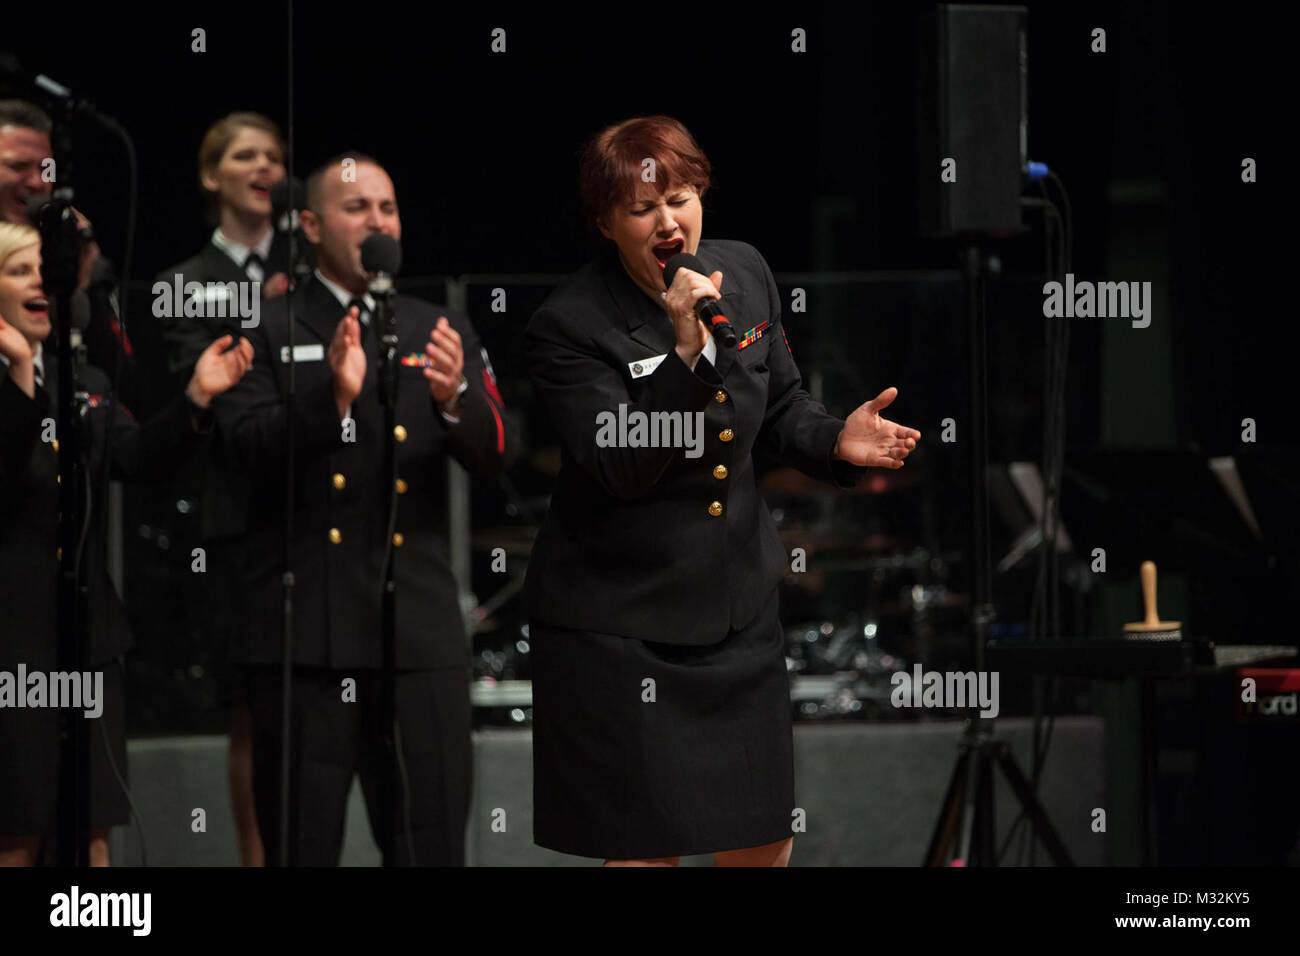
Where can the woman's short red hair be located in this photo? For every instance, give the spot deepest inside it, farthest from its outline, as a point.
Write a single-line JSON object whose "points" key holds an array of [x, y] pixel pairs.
{"points": [[613, 163]]}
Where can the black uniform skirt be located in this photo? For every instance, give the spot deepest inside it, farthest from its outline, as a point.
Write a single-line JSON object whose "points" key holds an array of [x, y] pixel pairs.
{"points": [[645, 750], [29, 762]]}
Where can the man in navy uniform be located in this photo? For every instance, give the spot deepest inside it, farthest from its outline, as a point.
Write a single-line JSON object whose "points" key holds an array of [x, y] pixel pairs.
{"points": [[447, 405]]}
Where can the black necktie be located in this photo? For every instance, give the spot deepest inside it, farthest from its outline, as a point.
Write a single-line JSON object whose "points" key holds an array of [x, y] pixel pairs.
{"points": [[39, 375], [255, 266], [363, 315]]}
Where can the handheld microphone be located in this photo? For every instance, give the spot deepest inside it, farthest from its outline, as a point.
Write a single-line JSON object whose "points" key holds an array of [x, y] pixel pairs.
{"points": [[707, 309]]}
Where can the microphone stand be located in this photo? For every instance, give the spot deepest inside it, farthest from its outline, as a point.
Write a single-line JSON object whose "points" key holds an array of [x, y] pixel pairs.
{"points": [[60, 259], [287, 578], [964, 833], [385, 322], [299, 265], [287, 582]]}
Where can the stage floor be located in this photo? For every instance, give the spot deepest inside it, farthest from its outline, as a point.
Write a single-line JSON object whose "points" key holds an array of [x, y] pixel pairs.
{"points": [[870, 791]]}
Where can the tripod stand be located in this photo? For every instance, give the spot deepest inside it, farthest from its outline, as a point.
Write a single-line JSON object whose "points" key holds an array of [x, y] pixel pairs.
{"points": [[964, 832], [964, 835]]}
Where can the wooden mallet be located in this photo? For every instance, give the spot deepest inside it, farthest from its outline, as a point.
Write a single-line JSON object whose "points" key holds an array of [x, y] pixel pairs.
{"points": [[1152, 629]]}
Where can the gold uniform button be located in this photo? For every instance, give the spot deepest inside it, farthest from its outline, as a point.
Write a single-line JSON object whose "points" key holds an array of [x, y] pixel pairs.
{"points": [[335, 535], [55, 443], [719, 396], [401, 486], [715, 509], [400, 433], [339, 481], [720, 472], [398, 540], [58, 554], [726, 434]]}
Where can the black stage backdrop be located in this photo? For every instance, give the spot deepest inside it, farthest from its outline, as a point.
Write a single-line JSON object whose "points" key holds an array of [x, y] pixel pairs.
{"points": [[813, 152], [814, 159]]}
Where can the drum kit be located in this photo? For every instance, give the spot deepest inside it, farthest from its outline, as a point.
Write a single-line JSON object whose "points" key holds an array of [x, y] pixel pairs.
{"points": [[884, 597], [867, 596]]}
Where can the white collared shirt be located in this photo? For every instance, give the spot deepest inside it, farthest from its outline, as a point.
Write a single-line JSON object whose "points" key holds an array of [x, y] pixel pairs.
{"points": [[710, 352], [239, 253], [345, 297]]}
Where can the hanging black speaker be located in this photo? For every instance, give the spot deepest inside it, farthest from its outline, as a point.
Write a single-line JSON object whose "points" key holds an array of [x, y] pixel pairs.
{"points": [[972, 121]]}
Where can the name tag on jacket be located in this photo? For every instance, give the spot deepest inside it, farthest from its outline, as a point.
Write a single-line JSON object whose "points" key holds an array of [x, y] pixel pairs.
{"points": [[314, 352], [642, 367]]}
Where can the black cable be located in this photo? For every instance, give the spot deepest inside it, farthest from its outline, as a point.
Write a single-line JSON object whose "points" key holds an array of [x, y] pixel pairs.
{"points": [[1044, 613], [397, 740], [87, 502], [132, 192], [1054, 462], [1051, 217], [1069, 218], [105, 470], [121, 782], [406, 791], [284, 790], [1047, 594], [1058, 411]]}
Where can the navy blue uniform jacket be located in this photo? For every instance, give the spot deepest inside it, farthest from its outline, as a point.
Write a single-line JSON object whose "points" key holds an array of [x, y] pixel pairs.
{"points": [[29, 511], [645, 542], [340, 521]]}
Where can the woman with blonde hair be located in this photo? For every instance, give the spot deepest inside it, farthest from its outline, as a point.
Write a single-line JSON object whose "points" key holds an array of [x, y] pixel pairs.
{"points": [[29, 555], [240, 158]]}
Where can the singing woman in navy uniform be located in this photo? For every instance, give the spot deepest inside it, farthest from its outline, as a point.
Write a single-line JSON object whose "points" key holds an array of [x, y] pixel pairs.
{"points": [[241, 156], [29, 562], [661, 701]]}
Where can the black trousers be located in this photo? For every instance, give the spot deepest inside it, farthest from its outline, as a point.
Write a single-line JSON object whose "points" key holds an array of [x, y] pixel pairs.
{"points": [[333, 739]]}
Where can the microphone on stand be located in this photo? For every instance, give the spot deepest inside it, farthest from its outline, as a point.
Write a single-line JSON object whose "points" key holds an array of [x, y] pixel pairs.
{"points": [[288, 198], [708, 310], [381, 258], [11, 69]]}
